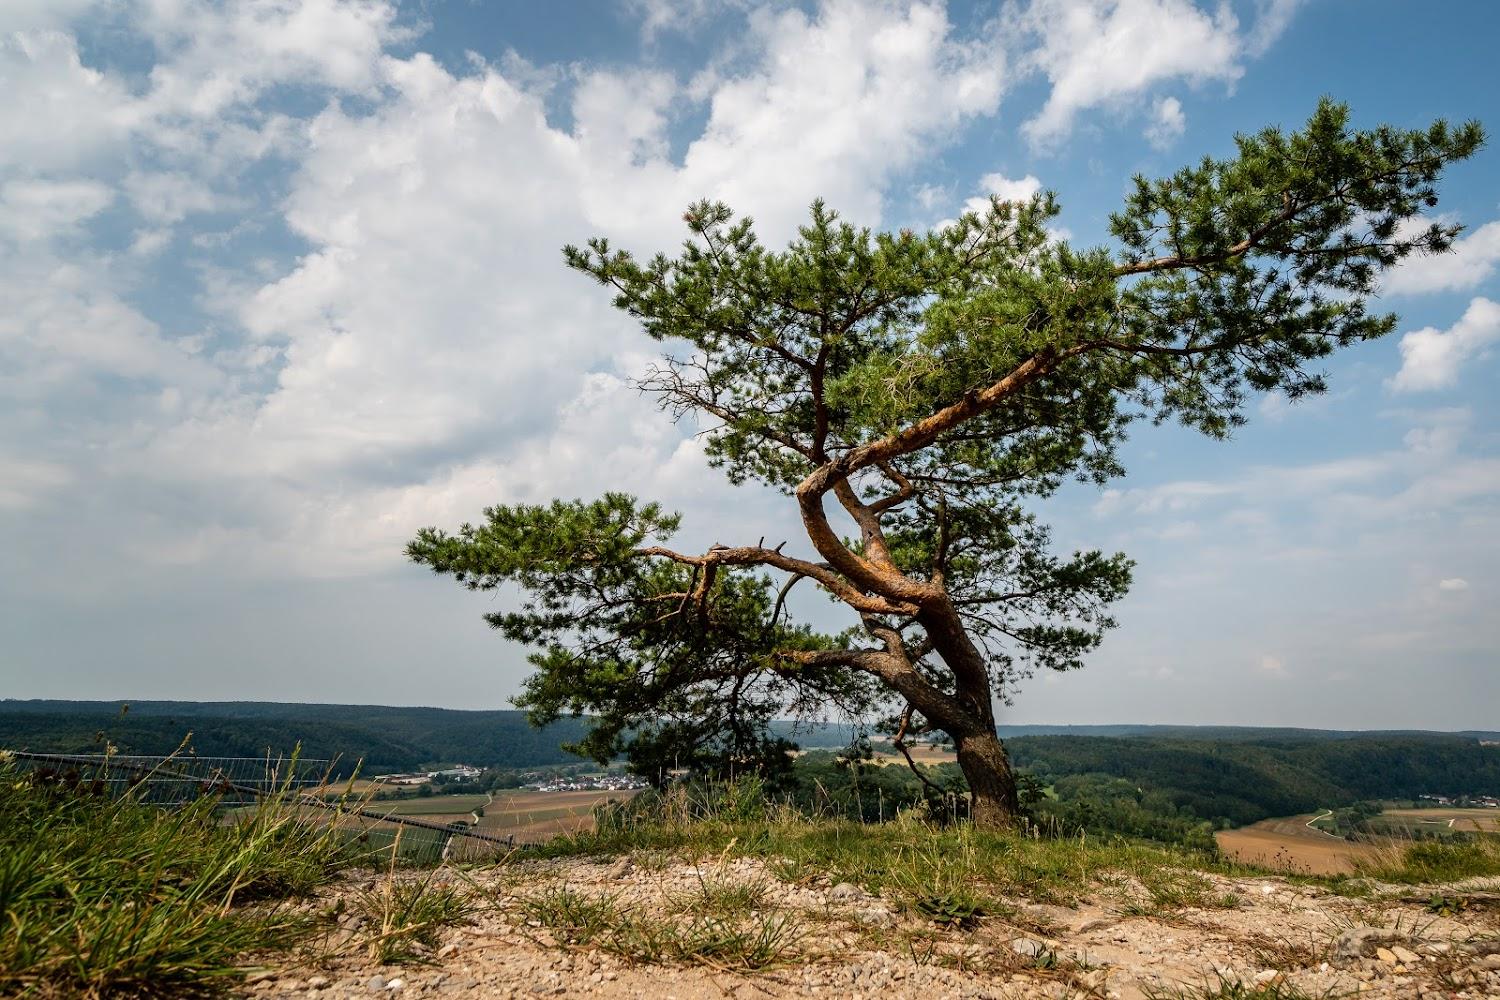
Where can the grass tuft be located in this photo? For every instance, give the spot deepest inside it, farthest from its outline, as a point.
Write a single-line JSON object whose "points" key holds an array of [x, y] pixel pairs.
{"points": [[1226, 988], [102, 895], [731, 938], [407, 915], [1434, 861]]}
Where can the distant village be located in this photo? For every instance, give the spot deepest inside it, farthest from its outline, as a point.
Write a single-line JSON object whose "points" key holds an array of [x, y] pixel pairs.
{"points": [[1462, 801], [587, 783]]}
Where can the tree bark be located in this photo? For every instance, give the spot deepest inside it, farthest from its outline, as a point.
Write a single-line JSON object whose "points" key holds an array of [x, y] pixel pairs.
{"points": [[992, 784]]}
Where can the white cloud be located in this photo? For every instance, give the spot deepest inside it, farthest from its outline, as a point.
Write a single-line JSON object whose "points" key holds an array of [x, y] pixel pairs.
{"points": [[38, 210], [1273, 18], [1167, 123], [24, 483], [218, 57], [429, 353], [997, 185], [167, 197], [1006, 189], [1272, 665], [1472, 260], [679, 16], [1453, 583], [835, 104], [57, 113], [1432, 358], [1096, 52]]}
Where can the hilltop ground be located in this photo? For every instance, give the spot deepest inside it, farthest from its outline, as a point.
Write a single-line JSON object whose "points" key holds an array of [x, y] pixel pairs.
{"points": [[709, 892], [1125, 924]]}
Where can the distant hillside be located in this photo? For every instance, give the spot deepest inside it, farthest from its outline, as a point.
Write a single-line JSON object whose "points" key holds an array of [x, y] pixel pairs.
{"points": [[1249, 778], [1248, 734], [1241, 774], [387, 738]]}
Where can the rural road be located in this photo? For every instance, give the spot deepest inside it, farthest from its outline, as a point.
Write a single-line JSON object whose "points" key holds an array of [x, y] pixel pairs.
{"points": [[1323, 815]]}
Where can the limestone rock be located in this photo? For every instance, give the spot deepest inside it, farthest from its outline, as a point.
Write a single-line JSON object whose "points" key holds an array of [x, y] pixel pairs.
{"points": [[846, 892]]}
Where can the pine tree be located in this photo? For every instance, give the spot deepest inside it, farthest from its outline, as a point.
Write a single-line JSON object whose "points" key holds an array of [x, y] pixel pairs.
{"points": [[933, 387]]}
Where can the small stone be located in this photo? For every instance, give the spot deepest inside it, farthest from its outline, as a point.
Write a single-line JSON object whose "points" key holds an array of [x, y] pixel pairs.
{"points": [[376, 984], [1027, 948], [1387, 956], [876, 917], [448, 949], [1267, 890], [1353, 943], [621, 868], [318, 983], [259, 977], [395, 984], [846, 892], [1488, 963], [1265, 976], [1407, 957]]}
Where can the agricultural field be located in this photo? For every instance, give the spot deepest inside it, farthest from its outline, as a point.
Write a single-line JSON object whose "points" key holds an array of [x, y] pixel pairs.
{"points": [[1291, 844], [526, 815], [925, 754], [1294, 843], [431, 806], [1438, 821]]}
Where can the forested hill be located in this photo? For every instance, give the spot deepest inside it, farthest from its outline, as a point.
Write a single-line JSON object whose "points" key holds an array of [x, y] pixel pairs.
{"points": [[387, 738], [1241, 774], [1276, 774]]}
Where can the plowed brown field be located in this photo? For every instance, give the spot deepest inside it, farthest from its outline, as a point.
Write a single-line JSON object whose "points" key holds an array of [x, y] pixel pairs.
{"points": [[1289, 844]]}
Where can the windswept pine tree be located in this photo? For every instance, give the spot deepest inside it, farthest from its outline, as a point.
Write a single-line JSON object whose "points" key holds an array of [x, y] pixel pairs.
{"points": [[932, 387]]}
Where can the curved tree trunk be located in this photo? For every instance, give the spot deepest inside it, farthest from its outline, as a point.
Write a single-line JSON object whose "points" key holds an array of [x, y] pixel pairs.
{"points": [[992, 784]]}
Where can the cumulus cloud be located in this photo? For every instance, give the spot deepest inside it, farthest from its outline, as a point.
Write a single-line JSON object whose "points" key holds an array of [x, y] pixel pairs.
{"points": [[1096, 52], [1167, 123], [427, 353], [1272, 19], [58, 113], [35, 210], [23, 483], [1432, 358], [428, 335], [1272, 665], [678, 16], [1472, 260]]}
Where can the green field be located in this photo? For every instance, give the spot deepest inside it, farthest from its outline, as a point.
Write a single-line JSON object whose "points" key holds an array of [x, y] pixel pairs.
{"points": [[435, 805]]}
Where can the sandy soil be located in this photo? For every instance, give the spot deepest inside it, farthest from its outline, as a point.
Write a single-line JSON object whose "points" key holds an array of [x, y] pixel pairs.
{"points": [[851, 944]]}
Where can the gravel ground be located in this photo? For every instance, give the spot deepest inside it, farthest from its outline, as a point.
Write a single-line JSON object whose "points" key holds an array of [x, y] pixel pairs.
{"points": [[1261, 931]]}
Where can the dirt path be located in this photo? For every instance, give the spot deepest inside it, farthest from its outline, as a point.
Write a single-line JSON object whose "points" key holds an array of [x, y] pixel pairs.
{"points": [[850, 944]]}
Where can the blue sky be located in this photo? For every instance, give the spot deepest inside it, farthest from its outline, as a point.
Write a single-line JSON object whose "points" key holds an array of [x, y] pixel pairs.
{"points": [[282, 284]]}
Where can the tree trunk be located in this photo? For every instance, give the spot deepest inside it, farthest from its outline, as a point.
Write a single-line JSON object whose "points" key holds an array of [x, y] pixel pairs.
{"points": [[992, 784]]}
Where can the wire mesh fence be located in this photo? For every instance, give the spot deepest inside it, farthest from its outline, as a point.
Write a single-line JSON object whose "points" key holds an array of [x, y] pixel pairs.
{"points": [[237, 785], [177, 779]]}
